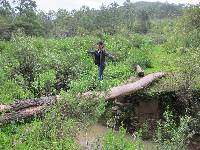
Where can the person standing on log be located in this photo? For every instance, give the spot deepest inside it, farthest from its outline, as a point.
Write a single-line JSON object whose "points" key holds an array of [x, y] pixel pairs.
{"points": [[99, 57]]}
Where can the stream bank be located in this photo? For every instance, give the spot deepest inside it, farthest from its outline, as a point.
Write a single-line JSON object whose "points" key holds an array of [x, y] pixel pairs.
{"points": [[134, 112]]}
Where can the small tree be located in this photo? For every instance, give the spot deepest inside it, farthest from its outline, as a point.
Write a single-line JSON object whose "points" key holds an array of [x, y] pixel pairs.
{"points": [[143, 22], [170, 136]]}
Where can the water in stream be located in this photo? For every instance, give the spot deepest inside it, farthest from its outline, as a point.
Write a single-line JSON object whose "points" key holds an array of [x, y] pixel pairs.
{"points": [[87, 139]]}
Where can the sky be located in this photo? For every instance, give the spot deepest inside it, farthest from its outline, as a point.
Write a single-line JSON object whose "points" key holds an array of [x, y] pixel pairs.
{"points": [[47, 5]]}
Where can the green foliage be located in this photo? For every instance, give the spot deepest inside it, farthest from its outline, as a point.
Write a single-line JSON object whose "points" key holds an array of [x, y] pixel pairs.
{"points": [[36, 66], [120, 141], [45, 83], [143, 23], [41, 67], [5, 141], [50, 135], [38, 135], [170, 136], [10, 91], [141, 57], [83, 110], [59, 126], [112, 19], [186, 32], [191, 19]]}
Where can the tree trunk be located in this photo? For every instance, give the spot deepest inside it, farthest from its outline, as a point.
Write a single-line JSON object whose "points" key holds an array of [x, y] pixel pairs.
{"points": [[130, 88], [22, 104], [18, 105], [26, 109], [22, 115]]}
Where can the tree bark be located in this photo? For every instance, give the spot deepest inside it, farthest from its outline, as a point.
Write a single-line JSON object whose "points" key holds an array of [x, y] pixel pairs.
{"points": [[130, 88], [22, 104], [22, 115], [18, 105], [26, 109]]}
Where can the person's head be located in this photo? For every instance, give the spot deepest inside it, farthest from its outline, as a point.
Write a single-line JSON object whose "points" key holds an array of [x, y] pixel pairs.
{"points": [[100, 45]]}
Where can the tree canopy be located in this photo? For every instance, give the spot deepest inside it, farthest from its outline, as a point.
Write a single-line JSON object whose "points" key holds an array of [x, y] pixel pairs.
{"points": [[131, 17]]}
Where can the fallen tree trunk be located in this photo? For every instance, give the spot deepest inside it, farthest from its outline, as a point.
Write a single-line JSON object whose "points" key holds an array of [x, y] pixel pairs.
{"points": [[127, 89], [22, 104], [18, 105], [22, 110], [26, 109], [22, 115], [130, 88]]}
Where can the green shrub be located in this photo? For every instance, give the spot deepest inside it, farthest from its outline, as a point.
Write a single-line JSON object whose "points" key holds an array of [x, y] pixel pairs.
{"points": [[10, 91], [120, 141], [170, 136], [45, 83], [186, 32]]}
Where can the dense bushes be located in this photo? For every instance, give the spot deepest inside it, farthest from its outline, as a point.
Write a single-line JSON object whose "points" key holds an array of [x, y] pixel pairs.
{"points": [[186, 32], [171, 136], [41, 67], [113, 141]]}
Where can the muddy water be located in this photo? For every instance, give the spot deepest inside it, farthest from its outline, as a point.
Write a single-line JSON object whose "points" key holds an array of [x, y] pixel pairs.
{"points": [[88, 139]]}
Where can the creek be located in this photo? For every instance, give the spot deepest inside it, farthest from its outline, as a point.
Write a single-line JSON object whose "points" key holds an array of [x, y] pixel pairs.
{"points": [[88, 139]]}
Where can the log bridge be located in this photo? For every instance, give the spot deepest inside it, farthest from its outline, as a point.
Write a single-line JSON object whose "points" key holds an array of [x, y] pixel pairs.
{"points": [[28, 109]]}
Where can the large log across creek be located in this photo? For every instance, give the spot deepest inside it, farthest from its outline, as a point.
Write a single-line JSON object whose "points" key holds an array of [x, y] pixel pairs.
{"points": [[131, 88], [27, 109]]}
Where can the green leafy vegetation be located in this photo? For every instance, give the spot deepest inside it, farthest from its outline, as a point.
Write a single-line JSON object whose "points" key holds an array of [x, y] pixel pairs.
{"points": [[120, 141], [45, 54], [170, 136]]}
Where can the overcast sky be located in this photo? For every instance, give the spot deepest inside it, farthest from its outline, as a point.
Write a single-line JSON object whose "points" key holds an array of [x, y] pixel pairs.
{"points": [[47, 5]]}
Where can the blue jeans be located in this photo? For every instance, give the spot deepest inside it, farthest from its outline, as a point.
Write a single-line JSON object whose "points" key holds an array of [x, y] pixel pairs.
{"points": [[101, 68]]}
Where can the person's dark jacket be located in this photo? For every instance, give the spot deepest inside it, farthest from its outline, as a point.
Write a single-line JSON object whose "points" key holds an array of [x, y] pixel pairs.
{"points": [[99, 56]]}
